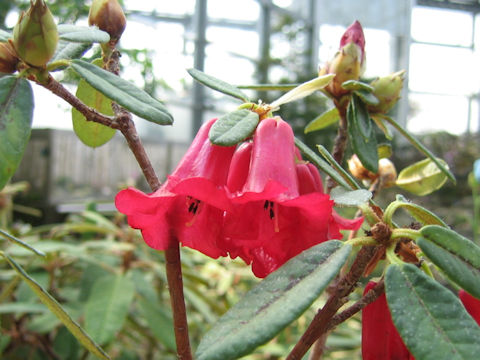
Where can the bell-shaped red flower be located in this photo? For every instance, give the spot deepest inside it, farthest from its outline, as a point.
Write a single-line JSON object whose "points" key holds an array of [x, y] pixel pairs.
{"points": [[380, 338], [471, 304], [279, 208], [190, 205]]}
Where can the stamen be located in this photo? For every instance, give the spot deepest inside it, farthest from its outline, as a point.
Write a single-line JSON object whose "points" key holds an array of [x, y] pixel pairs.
{"points": [[193, 208]]}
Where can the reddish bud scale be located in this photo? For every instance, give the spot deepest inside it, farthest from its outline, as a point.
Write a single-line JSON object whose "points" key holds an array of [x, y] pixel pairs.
{"points": [[108, 16]]}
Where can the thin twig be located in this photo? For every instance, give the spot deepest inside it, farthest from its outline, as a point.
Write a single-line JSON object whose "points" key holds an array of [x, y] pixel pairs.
{"points": [[321, 322], [340, 141], [368, 298]]}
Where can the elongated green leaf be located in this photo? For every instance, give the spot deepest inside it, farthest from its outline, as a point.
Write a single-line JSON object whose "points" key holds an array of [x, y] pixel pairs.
{"points": [[420, 147], [67, 50], [274, 303], [344, 197], [422, 215], [353, 185], [160, 321], [362, 118], [457, 256], [423, 177], [5, 35], [22, 307], [57, 309], [217, 84], [367, 97], [356, 85], [378, 119], [107, 306], [430, 319], [321, 164], [269, 87], [233, 127], [361, 135], [16, 113], [328, 118], [303, 90], [123, 92], [82, 34], [20, 243], [92, 133]]}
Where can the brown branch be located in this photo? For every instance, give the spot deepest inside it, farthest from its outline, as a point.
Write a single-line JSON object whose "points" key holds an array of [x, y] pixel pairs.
{"points": [[321, 322], [368, 298], [90, 114], [340, 143], [123, 122]]}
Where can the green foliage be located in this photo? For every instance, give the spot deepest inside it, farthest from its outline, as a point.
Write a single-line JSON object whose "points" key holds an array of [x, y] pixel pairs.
{"points": [[234, 127], [423, 177], [274, 303], [91, 133], [16, 112], [414, 298], [123, 92], [455, 255]]}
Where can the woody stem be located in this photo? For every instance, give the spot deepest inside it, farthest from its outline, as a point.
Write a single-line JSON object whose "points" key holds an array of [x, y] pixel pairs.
{"points": [[322, 320]]}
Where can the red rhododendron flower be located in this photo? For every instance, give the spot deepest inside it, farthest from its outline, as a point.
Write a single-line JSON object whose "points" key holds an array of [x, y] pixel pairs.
{"points": [[472, 305], [190, 204], [279, 208], [380, 338]]}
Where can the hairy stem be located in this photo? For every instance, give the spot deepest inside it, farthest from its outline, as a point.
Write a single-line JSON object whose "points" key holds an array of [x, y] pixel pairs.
{"points": [[321, 322]]}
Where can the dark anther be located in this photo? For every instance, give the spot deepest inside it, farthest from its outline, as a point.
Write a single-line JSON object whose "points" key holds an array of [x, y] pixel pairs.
{"points": [[265, 206]]}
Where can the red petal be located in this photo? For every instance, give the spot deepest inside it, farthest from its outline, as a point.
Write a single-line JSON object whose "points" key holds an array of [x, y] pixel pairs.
{"points": [[380, 338], [472, 304]]}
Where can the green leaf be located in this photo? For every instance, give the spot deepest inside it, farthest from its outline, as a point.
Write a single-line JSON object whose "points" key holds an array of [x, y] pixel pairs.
{"points": [[420, 147], [352, 184], [379, 121], [160, 321], [92, 133], [422, 178], [367, 97], [22, 308], [5, 35], [217, 84], [20, 243], [16, 113], [269, 87], [457, 256], [430, 319], [274, 303], [67, 50], [419, 213], [356, 85], [303, 90], [344, 197], [107, 306], [57, 309], [328, 118], [234, 127], [123, 92], [321, 164], [361, 135], [362, 118], [82, 34]]}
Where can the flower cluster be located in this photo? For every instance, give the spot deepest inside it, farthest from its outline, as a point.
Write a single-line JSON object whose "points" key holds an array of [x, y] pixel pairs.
{"points": [[258, 201], [380, 338]]}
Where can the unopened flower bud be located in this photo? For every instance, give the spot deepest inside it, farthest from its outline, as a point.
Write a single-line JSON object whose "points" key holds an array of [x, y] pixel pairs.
{"points": [[387, 89], [35, 36], [387, 173], [109, 17], [349, 61], [8, 58], [358, 170]]}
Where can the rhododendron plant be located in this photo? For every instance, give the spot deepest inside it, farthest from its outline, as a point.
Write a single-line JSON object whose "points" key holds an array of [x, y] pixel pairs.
{"points": [[246, 188]]}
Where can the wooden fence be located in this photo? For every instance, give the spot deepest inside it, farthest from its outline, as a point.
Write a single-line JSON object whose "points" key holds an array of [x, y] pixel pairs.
{"points": [[62, 170]]}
